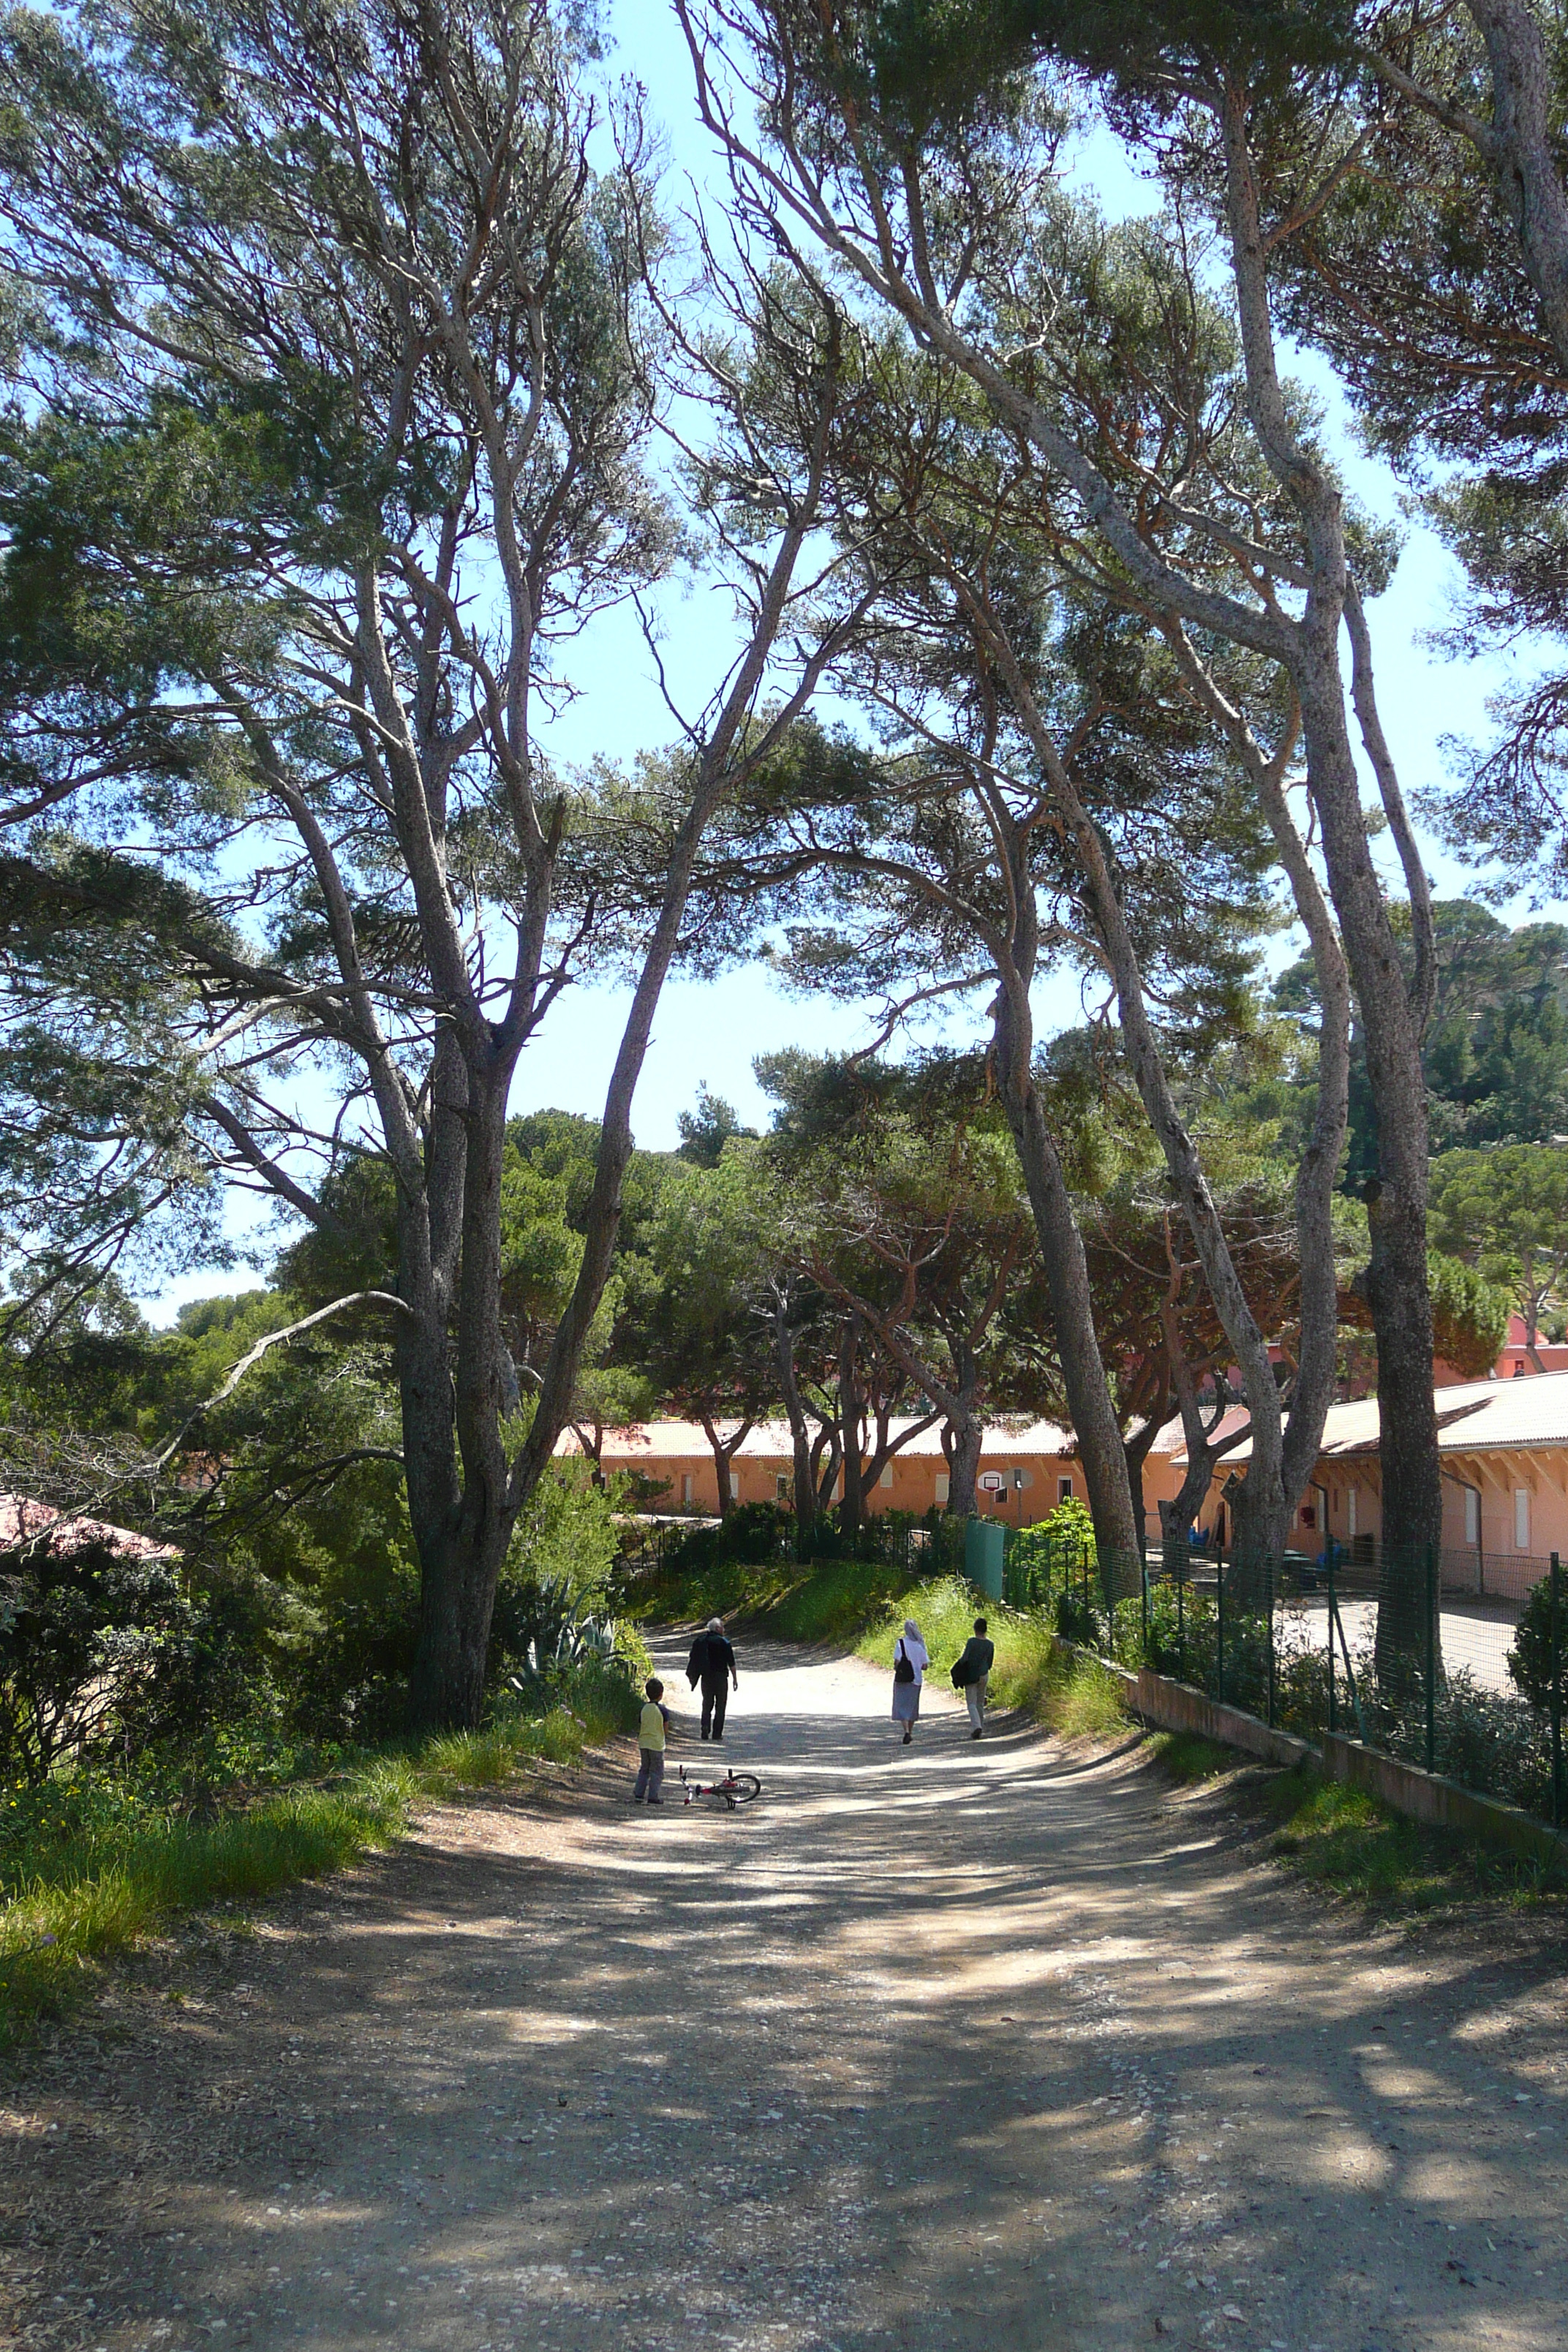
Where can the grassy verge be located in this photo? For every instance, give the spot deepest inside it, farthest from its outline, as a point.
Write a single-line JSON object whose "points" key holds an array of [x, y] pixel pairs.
{"points": [[87, 1869], [1350, 1844], [812, 1600], [1069, 1694], [1186, 1757], [1343, 1837]]}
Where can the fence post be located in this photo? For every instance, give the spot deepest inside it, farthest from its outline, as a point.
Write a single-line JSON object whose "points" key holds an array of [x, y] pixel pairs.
{"points": [[1334, 1720], [1269, 1605], [1557, 1694], [1219, 1625], [1143, 1594], [1181, 1620], [1431, 1658]]}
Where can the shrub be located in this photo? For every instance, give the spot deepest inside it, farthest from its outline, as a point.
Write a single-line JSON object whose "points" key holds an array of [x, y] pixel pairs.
{"points": [[100, 1646], [1053, 1554], [350, 1661], [568, 1534], [752, 1534], [1529, 1660], [1490, 1742]]}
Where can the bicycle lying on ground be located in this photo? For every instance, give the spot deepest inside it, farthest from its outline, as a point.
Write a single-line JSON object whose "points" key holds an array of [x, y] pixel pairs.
{"points": [[722, 1796]]}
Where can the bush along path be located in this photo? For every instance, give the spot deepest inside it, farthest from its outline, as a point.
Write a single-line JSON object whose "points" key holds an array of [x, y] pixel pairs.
{"points": [[947, 2046]]}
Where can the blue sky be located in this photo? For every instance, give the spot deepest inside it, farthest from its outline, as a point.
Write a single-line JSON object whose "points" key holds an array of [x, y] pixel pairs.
{"points": [[710, 1032]]}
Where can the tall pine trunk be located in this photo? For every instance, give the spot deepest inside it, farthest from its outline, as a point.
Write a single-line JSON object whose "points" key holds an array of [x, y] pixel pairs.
{"points": [[454, 1379], [1099, 1445], [851, 1510]]}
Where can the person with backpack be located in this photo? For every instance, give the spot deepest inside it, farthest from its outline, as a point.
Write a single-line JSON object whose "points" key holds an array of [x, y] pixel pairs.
{"points": [[910, 1663], [970, 1672], [712, 1664]]}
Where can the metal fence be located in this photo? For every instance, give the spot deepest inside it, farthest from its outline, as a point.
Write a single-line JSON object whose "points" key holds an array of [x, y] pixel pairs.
{"points": [[1393, 1649], [1467, 1568], [755, 1536]]}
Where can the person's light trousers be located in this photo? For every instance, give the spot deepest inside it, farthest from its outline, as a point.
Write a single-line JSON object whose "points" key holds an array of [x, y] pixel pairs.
{"points": [[974, 1699]]}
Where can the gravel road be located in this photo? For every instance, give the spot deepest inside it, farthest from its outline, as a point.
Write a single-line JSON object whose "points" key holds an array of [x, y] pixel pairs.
{"points": [[947, 2046]]}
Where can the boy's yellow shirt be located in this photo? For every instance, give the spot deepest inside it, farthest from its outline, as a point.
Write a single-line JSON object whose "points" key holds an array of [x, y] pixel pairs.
{"points": [[650, 1730]]}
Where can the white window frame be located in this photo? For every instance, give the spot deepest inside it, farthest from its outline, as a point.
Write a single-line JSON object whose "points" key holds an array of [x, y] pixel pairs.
{"points": [[943, 1486], [1521, 1519], [1351, 1495], [1472, 1516], [887, 1478], [1064, 1490]]}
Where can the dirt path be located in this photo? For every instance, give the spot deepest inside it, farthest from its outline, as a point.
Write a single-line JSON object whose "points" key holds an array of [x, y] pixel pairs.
{"points": [[943, 2047]]}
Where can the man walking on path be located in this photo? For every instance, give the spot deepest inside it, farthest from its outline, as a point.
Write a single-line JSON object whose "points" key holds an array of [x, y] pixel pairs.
{"points": [[979, 1657], [712, 1664]]}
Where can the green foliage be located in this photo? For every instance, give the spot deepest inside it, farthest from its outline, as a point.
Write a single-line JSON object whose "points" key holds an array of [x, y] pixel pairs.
{"points": [[1505, 1212], [835, 1599], [690, 1321], [1054, 1566], [91, 1864], [1469, 1315], [1341, 1838], [815, 1600], [750, 1535], [706, 1131], [1187, 1758], [1495, 1051], [1530, 1661], [568, 1535], [100, 1649]]}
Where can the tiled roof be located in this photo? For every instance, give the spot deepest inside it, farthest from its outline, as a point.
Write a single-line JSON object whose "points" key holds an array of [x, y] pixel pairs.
{"points": [[770, 1440], [21, 1516], [1473, 1417]]}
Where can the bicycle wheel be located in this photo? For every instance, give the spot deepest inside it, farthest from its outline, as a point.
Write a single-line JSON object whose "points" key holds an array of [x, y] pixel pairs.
{"points": [[743, 1787]]}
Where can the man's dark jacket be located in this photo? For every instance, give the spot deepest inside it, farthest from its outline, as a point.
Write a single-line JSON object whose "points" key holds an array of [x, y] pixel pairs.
{"points": [[979, 1657], [711, 1660]]}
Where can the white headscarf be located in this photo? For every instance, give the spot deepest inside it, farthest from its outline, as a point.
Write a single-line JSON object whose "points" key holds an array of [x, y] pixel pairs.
{"points": [[913, 1648]]}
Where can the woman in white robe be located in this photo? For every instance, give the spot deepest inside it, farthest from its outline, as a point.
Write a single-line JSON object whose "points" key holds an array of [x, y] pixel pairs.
{"points": [[907, 1694]]}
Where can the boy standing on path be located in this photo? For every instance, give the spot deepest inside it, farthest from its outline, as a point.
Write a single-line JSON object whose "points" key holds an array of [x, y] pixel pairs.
{"points": [[651, 1730], [979, 1657]]}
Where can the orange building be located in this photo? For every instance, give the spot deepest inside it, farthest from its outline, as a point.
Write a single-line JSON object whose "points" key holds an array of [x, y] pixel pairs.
{"points": [[1026, 1469], [1502, 1445]]}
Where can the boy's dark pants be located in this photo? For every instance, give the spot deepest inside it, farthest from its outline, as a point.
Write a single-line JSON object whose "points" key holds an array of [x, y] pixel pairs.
{"points": [[650, 1780], [715, 1699]]}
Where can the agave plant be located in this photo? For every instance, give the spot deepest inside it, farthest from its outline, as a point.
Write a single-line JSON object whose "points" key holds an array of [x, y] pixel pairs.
{"points": [[566, 1636]]}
